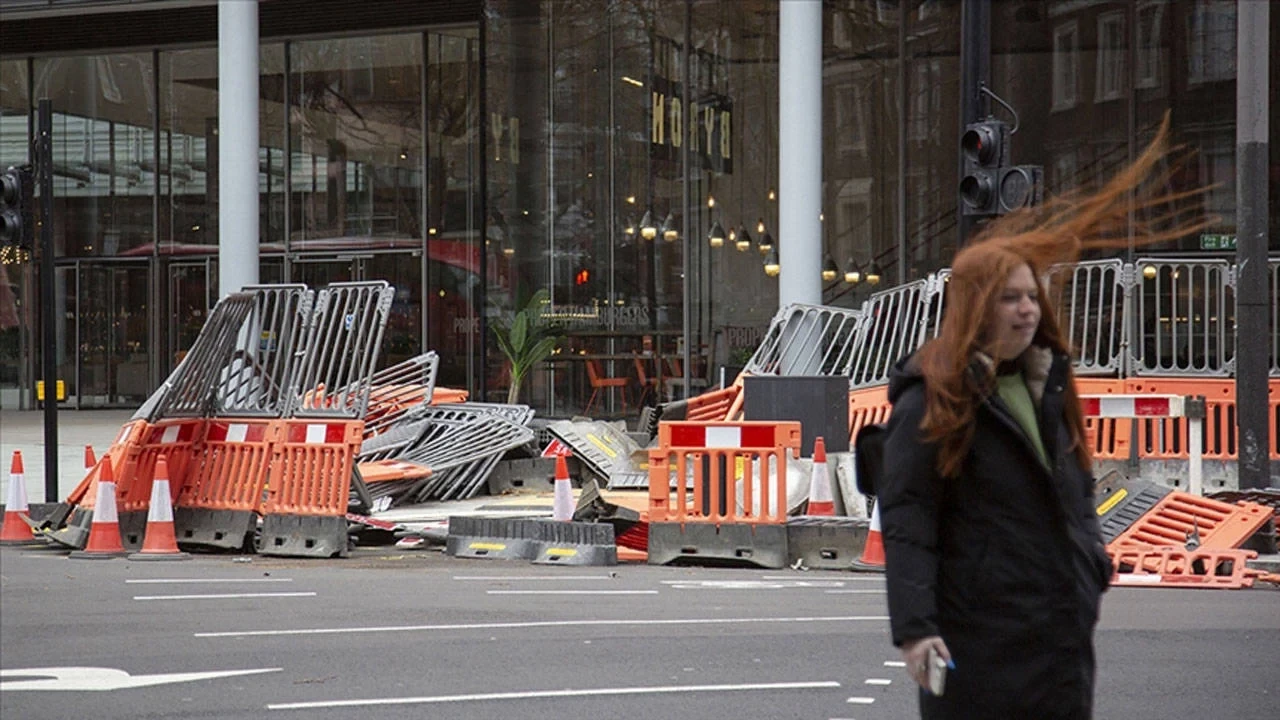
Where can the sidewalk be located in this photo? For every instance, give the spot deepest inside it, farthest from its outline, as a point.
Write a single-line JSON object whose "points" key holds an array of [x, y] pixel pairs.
{"points": [[24, 430]]}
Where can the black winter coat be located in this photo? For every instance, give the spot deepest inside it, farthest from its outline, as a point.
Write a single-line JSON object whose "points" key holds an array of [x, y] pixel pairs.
{"points": [[1005, 562]]}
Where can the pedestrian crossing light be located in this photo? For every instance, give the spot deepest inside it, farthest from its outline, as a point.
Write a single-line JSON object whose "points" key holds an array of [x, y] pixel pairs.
{"points": [[990, 185], [983, 147]]}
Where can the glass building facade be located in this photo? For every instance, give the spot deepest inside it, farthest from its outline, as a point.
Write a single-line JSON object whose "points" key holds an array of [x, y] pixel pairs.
{"points": [[474, 152]]}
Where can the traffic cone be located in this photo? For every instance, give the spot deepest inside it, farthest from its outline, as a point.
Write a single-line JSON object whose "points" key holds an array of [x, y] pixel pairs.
{"points": [[16, 530], [89, 460], [160, 542], [820, 500], [104, 533], [873, 552], [562, 507]]}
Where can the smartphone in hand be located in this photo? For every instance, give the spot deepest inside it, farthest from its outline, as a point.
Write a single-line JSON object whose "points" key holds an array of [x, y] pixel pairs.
{"points": [[937, 669]]}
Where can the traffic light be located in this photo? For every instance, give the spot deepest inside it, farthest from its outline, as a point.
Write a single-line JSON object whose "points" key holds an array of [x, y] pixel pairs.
{"points": [[991, 186], [984, 148], [17, 208]]}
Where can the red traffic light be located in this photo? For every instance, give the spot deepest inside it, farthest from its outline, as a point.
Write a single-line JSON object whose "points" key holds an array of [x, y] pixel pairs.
{"points": [[981, 143]]}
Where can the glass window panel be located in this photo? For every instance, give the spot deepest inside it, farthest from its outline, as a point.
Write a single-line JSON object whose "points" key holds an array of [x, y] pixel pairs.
{"points": [[103, 136], [357, 139], [16, 268]]}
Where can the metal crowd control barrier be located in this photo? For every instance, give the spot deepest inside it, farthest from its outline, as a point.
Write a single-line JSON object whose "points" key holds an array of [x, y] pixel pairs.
{"points": [[892, 326], [1186, 311], [259, 379], [1093, 307], [219, 505], [807, 340], [309, 488], [397, 389], [188, 391], [736, 509], [341, 350], [1157, 406]]}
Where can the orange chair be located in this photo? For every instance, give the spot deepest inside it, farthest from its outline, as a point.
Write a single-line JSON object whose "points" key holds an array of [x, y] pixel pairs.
{"points": [[599, 381], [648, 385]]}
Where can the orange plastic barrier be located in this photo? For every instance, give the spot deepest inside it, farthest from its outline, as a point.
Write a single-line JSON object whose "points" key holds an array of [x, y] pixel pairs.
{"points": [[718, 457], [713, 406], [131, 435], [391, 471], [1178, 515], [231, 470], [1108, 438], [867, 406], [1175, 567], [176, 440], [446, 396], [1167, 439], [311, 470]]}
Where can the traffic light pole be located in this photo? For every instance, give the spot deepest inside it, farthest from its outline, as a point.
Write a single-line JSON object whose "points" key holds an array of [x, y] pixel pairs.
{"points": [[1252, 315], [48, 318], [975, 70]]}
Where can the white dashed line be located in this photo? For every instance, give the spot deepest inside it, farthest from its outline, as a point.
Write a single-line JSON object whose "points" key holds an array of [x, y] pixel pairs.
{"points": [[175, 581], [521, 578], [879, 681], [895, 663], [861, 700], [572, 592], [595, 692], [229, 596]]}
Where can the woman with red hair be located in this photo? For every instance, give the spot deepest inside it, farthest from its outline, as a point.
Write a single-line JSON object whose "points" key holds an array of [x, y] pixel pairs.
{"points": [[994, 559]]}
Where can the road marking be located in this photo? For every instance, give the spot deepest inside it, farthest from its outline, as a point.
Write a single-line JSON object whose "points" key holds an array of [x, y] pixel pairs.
{"points": [[876, 591], [228, 596], [861, 700], [879, 681], [572, 592], [850, 576], [96, 678], [751, 584], [895, 663], [546, 624], [162, 581], [523, 578], [595, 692]]}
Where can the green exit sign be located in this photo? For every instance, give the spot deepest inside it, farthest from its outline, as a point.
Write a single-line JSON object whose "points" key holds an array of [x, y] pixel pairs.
{"points": [[1217, 242]]}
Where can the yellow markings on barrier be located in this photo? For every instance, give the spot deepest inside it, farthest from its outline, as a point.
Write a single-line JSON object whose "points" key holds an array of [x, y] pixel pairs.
{"points": [[1112, 501], [562, 552], [602, 445], [739, 467], [487, 546]]}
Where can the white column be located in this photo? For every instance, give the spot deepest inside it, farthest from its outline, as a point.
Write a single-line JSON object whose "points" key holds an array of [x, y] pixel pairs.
{"points": [[800, 152], [237, 145]]}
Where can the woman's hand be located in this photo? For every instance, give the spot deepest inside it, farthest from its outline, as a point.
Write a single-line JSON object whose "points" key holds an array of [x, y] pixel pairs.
{"points": [[916, 654]]}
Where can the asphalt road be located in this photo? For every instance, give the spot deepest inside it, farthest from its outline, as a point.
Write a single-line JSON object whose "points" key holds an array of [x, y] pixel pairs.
{"points": [[417, 634]]}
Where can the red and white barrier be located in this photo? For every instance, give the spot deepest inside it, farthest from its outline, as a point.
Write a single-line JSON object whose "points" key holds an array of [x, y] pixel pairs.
{"points": [[1157, 406]]}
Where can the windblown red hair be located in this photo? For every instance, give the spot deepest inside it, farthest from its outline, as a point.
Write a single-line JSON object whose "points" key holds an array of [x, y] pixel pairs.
{"points": [[1050, 236]]}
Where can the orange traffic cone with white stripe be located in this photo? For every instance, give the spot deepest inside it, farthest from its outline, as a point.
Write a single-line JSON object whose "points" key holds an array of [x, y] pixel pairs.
{"points": [[16, 530], [160, 542], [104, 533], [563, 505], [820, 500], [873, 552]]}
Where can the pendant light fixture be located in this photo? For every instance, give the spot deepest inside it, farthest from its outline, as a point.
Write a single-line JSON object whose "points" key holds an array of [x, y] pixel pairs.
{"points": [[715, 238], [743, 242], [873, 273], [669, 231], [853, 272], [648, 230], [829, 269], [771, 265]]}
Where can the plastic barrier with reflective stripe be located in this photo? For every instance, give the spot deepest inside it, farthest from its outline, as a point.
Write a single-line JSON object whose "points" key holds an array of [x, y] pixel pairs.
{"points": [[311, 470], [720, 457]]}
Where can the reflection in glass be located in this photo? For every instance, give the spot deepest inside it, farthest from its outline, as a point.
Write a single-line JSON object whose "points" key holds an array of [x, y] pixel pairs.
{"points": [[357, 142], [104, 153]]}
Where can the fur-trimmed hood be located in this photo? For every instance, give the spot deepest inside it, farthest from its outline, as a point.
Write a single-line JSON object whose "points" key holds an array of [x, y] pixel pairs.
{"points": [[1037, 363]]}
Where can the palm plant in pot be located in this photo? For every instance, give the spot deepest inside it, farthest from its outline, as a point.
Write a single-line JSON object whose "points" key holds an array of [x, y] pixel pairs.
{"points": [[525, 339]]}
